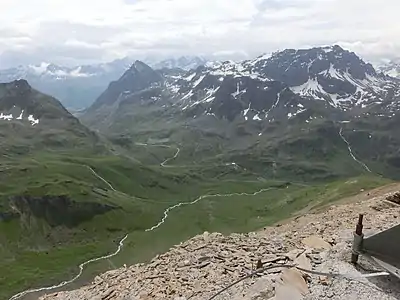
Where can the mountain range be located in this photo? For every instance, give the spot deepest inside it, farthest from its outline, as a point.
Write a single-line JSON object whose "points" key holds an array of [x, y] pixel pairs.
{"points": [[184, 62], [77, 87], [233, 145]]}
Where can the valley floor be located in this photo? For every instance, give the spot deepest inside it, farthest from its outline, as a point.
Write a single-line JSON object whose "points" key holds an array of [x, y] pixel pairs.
{"points": [[205, 264], [227, 205]]}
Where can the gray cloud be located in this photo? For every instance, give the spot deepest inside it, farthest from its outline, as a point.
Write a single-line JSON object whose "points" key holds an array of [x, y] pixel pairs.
{"points": [[65, 30], [278, 4], [76, 31]]}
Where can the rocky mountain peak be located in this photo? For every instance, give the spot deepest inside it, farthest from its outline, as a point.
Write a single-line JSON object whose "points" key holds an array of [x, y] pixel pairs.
{"points": [[138, 77], [295, 67], [21, 103], [20, 84], [140, 67], [16, 92], [329, 73], [140, 71]]}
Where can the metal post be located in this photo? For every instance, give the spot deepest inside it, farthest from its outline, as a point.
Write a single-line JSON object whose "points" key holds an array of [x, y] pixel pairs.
{"points": [[259, 264], [358, 239]]}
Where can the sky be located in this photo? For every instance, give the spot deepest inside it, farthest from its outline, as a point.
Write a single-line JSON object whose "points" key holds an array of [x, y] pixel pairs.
{"points": [[73, 32]]}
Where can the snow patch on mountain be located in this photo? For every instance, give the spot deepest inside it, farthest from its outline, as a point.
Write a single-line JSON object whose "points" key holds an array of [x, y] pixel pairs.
{"points": [[310, 88], [262, 57], [327, 49], [190, 77], [33, 120], [20, 116], [291, 115], [332, 72], [6, 117], [256, 118], [366, 89], [236, 70], [9, 117], [198, 81]]}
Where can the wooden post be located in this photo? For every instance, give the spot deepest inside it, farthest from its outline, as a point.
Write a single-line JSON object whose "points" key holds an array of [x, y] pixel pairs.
{"points": [[259, 264], [357, 241]]}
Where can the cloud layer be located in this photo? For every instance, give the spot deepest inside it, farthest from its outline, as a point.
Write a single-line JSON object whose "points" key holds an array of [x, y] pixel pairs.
{"points": [[76, 31]]}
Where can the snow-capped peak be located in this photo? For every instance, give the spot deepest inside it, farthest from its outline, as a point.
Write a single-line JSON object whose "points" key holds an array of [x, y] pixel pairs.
{"points": [[39, 69], [184, 62], [390, 68]]}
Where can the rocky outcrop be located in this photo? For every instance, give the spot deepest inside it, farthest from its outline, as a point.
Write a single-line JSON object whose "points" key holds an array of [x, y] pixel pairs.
{"points": [[56, 210], [199, 268], [394, 198]]}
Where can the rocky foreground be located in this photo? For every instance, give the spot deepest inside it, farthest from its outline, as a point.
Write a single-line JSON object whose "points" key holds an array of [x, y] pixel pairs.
{"points": [[202, 266]]}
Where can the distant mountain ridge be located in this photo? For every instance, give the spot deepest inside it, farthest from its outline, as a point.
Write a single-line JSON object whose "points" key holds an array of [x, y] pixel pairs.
{"points": [[78, 87], [75, 87], [391, 68], [184, 62], [261, 87]]}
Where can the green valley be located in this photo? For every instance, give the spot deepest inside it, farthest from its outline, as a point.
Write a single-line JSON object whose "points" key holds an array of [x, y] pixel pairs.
{"points": [[44, 245]]}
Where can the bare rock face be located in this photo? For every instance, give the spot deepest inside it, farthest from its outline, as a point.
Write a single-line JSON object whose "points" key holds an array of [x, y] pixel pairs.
{"points": [[57, 210], [201, 267], [394, 198]]}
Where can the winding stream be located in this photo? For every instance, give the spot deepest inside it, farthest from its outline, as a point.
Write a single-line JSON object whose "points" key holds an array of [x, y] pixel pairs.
{"points": [[121, 243], [351, 152]]}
